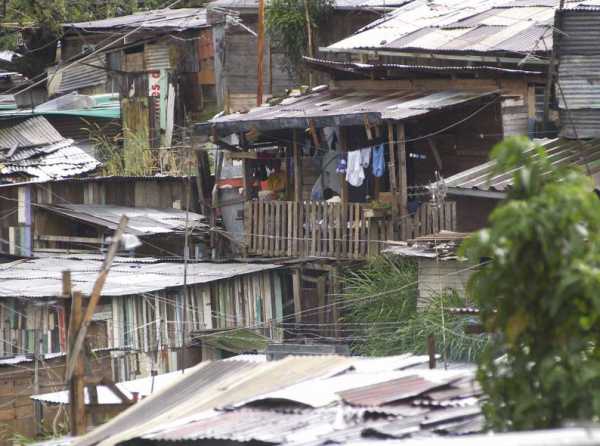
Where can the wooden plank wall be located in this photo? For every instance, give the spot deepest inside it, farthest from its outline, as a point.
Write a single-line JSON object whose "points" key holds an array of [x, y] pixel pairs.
{"points": [[322, 229], [16, 387]]}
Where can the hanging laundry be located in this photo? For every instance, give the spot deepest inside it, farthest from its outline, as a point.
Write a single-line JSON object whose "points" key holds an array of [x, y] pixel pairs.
{"points": [[306, 147], [342, 165], [365, 157], [355, 174], [378, 161]]}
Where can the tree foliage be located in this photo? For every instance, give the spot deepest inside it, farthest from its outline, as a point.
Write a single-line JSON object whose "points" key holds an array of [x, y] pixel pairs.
{"points": [[286, 25], [388, 322], [540, 294]]}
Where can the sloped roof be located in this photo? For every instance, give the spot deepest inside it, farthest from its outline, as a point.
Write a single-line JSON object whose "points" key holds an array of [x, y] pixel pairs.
{"points": [[341, 107], [561, 152], [42, 277], [515, 28], [34, 151], [142, 221], [338, 4], [216, 402], [159, 19]]}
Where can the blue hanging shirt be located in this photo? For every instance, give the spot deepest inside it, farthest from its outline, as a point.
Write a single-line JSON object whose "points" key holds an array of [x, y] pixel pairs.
{"points": [[378, 161]]}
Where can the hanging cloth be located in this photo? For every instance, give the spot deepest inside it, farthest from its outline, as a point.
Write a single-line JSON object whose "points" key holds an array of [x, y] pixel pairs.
{"points": [[378, 161], [365, 157], [342, 166], [355, 174]]}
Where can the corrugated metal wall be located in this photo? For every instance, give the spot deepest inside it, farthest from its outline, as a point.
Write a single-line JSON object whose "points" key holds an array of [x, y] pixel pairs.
{"points": [[579, 72], [83, 75], [156, 56]]}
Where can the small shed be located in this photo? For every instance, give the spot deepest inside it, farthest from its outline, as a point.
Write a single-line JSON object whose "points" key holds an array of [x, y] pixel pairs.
{"points": [[440, 269]]}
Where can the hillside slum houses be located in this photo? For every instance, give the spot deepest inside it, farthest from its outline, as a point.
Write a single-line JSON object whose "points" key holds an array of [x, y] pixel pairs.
{"points": [[297, 400], [234, 24]]}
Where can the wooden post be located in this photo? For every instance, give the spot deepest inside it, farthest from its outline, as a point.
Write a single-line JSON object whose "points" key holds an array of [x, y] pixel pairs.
{"points": [[431, 350], [76, 381], [94, 298], [202, 181], [297, 167], [344, 149], [260, 52], [321, 299], [92, 390], [393, 181], [402, 178], [297, 291], [247, 180]]}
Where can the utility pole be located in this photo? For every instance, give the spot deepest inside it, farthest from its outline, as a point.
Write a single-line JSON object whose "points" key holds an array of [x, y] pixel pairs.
{"points": [[310, 39], [186, 255], [260, 52]]}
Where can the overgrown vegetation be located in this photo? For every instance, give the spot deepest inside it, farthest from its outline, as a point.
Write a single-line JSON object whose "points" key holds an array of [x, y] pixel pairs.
{"points": [[286, 25], [381, 314], [540, 294]]}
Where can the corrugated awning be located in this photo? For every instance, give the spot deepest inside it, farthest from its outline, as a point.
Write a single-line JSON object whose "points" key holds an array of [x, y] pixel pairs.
{"points": [[343, 108], [481, 180], [142, 221]]}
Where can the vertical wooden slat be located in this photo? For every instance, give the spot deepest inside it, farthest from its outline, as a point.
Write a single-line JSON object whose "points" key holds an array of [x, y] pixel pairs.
{"points": [[338, 230], [331, 227], [435, 219], [300, 241], [277, 221], [363, 233], [261, 225], [356, 230], [313, 228], [453, 220], [401, 161]]}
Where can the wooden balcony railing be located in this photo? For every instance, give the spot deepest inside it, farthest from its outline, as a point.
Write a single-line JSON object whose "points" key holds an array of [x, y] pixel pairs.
{"points": [[321, 229]]}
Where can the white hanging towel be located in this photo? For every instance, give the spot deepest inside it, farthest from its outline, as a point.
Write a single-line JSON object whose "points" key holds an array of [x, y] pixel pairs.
{"points": [[355, 174], [365, 157]]}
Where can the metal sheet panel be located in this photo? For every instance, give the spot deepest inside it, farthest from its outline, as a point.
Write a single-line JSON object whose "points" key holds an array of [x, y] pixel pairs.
{"points": [[580, 32], [82, 75], [561, 152], [142, 221], [157, 57], [335, 107], [128, 276], [158, 19]]}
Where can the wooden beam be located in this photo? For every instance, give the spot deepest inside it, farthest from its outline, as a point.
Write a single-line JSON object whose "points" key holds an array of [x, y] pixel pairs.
{"points": [[297, 167], [95, 297], [297, 291], [69, 239], [314, 133], [393, 181], [76, 380], [241, 155], [321, 299]]}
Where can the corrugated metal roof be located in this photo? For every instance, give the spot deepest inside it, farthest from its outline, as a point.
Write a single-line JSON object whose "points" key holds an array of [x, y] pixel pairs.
{"points": [[41, 277], [213, 385], [34, 152], [198, 415], [337, 107], [561, 152], [483, 27], [159, 19], [142, 221], [402, 68], [31, 133], [389, 391], [338, 4]]}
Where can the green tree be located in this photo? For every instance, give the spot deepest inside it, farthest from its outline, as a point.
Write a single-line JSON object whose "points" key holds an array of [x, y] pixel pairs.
{"points": [[286, 25], [388, 322], [540, 294]]}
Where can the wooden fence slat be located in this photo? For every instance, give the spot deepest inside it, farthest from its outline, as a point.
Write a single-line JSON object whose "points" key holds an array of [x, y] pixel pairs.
{"points": [[331, 228]]}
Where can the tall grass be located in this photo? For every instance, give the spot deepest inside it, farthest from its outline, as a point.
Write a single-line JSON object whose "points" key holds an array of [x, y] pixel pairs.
{"points": [[389, 323]]}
